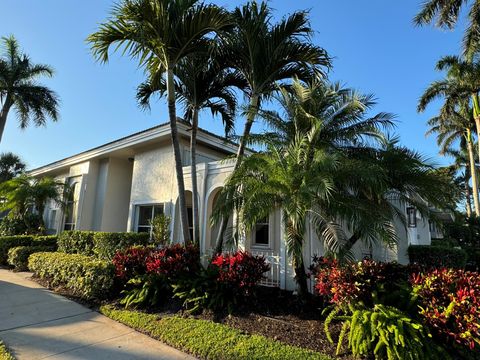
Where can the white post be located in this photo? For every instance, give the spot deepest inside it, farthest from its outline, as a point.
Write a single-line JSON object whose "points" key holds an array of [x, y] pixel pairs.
{"points": [[283, 255]]}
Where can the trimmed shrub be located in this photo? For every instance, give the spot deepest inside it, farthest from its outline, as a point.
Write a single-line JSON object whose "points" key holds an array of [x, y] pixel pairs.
{"points": [[50, 240], [4, 353], [85, 276], [209, 340], [450, 304], [8, 242], [18, 256], [106, 244], [76, 242], [437, 256]]}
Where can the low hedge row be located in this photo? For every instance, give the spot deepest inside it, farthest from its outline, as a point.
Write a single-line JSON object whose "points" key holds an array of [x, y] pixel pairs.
{"points": [[208, 340], [4, 353], [85, 276], [18, 256], [100, 244], [8, 242], [437, 256]]}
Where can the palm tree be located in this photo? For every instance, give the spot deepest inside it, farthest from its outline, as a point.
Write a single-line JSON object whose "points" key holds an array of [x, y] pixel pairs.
{"points": [[454, 125], [298, 172], [160, 33], [201, 84], [19, 88], [461, 86], [24, 193], [445, 15], [265, 54], [10, 166]]}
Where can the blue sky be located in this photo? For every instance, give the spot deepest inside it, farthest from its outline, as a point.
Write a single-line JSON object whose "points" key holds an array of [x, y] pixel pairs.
{"points": [[375, 46]]}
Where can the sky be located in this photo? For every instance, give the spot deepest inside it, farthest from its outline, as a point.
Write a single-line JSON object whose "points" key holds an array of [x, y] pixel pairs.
{"points": [[376, 49]]}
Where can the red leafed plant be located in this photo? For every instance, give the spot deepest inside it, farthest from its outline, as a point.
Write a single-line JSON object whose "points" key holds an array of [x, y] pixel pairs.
{"points": [[131, 262], [341, 284], [240, 270], [450, 304], [174, 261]]}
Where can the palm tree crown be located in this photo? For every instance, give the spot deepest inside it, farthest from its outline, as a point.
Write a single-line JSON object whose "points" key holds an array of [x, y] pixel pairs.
{"points": [[19, 88]]}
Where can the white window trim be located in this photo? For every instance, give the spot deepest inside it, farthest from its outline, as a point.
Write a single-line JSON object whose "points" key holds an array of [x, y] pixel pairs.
{"points": [[136, 208], [268, 246]]}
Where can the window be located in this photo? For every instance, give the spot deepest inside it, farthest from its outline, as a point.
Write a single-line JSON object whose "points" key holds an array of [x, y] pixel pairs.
{"points": [[261, 234], [145, 214], [71, 207], [52, 219], [412, 217]]}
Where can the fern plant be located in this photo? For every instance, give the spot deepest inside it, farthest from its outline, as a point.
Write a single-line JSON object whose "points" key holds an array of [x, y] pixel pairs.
{"points": [[383, 332]]}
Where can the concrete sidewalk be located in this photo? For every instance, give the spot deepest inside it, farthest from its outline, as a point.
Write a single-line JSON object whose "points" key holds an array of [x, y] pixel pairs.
{"points": [[38, 324]]}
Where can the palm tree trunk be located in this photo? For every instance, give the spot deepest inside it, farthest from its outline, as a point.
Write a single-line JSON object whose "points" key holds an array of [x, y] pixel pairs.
{"points": [[468, 195], [473, 172], [193, 165], [252, 112], [178, 158], [298, 262], [3, 115]]}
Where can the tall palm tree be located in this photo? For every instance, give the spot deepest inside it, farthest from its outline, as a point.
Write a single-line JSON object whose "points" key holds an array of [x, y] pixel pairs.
{"points": [[265, 54], [160, 33], [10, 166], [201, 84], [460, 88], [19, 88], [457, 125], [445, 15]]}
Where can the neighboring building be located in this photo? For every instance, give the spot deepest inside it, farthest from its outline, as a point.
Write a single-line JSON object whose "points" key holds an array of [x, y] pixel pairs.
{"points": [[123, 184]]}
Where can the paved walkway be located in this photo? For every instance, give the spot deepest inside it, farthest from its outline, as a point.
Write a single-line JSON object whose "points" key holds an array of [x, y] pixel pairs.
{"points": [[38, 324]]}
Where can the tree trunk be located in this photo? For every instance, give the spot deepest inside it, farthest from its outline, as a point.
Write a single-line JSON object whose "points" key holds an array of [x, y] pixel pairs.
{"points": [[253, 109], [468, 200], [3, 115], [193, 165], [177, 155], [301, 277], [473, 173]]}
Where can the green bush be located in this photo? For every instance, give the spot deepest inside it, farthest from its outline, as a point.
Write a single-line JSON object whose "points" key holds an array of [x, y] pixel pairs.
{"points": [[107, 244], [4, 353], [18, 256], [76, 242], [209, 340], [161, 229], [386, 333], [445, 242], [437, 256], [7, 242], [85, 276]]}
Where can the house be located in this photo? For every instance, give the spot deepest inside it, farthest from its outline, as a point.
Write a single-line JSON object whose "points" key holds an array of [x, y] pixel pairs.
{"points": [[122, 185]]}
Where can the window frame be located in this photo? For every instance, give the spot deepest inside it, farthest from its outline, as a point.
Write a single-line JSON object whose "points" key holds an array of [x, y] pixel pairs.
{"points": [[268, 245], [411, 217], [152, 215], [73, 202]]}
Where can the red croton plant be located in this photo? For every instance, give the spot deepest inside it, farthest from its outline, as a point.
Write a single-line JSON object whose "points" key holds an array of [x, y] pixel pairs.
{"points": [[240, 270], [450, 304]]}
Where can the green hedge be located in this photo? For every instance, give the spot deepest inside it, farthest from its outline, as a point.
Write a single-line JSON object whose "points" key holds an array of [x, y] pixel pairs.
{"points": [[76, 242], [8, 242], [209, 340], [100, 244], [4, 353], [18, 256], [106, 244], [85, 276], [437, 256]]}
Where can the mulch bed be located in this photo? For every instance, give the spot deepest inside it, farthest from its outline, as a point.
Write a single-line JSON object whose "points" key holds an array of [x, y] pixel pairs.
{"points": [[274, 313]]}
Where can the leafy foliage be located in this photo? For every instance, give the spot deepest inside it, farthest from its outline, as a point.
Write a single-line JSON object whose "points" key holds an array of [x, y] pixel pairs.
{"points": [[10, 166], [437, 256], [76, 242], [4, 353], [29, 224], [106, 244], [85, 276], [387, 333], [8, 242], [161, 229], [227, 281], [18, 256], [209, 340], [450, 304]]}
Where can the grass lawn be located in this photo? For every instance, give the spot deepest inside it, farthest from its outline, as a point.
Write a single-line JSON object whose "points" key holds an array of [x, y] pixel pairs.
{"points": [[208, 340]]}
